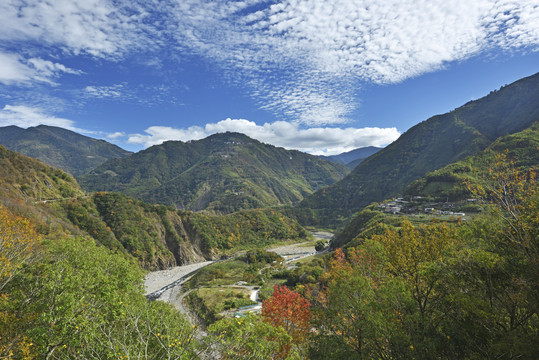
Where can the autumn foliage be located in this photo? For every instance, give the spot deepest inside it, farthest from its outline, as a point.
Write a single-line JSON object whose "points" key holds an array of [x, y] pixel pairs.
{"points": [[290, 310], [17, 241]]}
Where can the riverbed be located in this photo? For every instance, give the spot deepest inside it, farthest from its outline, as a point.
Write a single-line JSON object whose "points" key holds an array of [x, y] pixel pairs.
{"points": [[166, 279]]}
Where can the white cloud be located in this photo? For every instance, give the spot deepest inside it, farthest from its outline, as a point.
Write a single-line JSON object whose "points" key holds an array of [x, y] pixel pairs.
{"points": [[14, 69], [30, 116], [25, 116], [116, 135], [300, 58], [99, 28], [304, 58], [113, 91], [318, 141]]}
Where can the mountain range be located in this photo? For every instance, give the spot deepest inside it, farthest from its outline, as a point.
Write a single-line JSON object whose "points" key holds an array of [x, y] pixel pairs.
{"points": [[450, 182], [430, 145], [155, 236], [72, 152], [354, 157], [224, 172], [228, 172]]}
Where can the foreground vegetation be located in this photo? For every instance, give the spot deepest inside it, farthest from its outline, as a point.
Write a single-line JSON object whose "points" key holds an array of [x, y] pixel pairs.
{"points": [[68, 298], [465, 290], [460, 290]]}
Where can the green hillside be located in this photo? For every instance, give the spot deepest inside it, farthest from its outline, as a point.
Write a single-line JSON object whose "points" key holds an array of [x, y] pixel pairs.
{"points": [[432, 144], [449, 182], [158, 237], [61, 148], [446, 187], [224, 172], [25, 178]]}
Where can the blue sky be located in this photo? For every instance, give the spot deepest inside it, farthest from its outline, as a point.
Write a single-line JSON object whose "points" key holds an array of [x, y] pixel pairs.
{"points": [[318, 76]]}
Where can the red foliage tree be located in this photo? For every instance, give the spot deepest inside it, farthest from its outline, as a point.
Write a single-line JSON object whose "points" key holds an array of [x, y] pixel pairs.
{"points": [[290, 310]]}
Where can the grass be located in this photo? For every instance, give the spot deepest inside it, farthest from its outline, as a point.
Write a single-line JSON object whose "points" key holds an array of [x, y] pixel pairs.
{"points": [[246, 247], [310, 259], [308, 244], [224, 298], [267, 290], [222, 273]]}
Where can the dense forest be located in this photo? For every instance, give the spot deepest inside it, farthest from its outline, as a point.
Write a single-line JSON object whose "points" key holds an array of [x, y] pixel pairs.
{"points": [[224, 172]]}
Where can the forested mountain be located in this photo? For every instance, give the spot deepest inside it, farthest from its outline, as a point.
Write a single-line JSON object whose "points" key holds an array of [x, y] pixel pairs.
{"points": [[352, 158], [450, 181], [71, 283], [449, 185], [156, 236], [432, 144], [61, 148], [223, 172]]}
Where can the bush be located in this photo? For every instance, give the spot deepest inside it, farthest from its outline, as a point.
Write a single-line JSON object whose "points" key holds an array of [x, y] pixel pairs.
{"points": [[320, 245]]}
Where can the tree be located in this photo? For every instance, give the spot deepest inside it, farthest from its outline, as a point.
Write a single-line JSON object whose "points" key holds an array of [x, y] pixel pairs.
{"points": [[413, 254], [359, 308], [18, 239], [514, 200], [290, 310], [249, 338], [81, 301], [320, 245], [499, 268]]}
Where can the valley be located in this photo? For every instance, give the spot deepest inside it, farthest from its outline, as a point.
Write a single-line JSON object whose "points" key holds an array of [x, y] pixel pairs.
{"points": [[426, 248], [168, 285]]}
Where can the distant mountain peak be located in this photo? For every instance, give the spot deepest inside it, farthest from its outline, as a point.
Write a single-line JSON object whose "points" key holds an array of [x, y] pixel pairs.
{"points": [[353, 157], [224, 172], [59, 147]]}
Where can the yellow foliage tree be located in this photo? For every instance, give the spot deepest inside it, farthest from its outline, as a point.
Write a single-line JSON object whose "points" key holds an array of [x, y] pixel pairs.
{"points": [[513, 196], [412, 252], [18, 239]]}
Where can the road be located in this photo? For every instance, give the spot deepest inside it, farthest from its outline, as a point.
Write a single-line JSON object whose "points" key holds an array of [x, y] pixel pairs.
{"points": [[166, 285]]}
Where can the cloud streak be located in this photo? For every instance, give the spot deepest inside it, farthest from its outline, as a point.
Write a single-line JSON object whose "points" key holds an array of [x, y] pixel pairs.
{"points": [[24, 116], [318, 140], [14, 69], [30, 116]]}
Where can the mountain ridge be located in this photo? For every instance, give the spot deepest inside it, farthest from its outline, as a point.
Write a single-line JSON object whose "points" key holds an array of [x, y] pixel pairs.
{"points": [[59, 147], [224, 172], [156, 236], [352, 158], [432, 144]]}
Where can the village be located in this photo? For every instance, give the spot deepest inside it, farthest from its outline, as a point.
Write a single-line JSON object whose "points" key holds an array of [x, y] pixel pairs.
{"points": [[416, 205]]}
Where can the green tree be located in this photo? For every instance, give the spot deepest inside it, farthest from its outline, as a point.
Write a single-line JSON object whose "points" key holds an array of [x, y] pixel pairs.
{"points": [[360, 308], [249, 338], [80, 301]]}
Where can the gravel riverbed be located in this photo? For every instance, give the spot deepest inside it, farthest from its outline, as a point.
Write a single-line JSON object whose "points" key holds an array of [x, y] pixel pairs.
{"points": [[157, 280]]}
